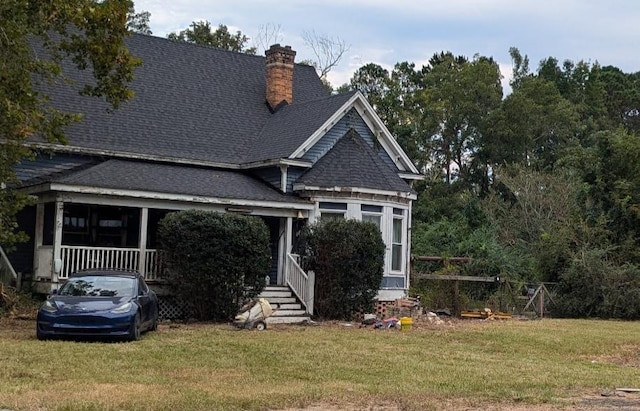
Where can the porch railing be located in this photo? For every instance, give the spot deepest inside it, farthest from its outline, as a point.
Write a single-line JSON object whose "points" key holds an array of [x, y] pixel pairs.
{"points": [[154, 265], [77, 258], [302, 284]]}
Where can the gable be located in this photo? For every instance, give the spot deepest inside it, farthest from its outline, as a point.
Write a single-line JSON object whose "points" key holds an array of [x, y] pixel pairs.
{"points": [[352, 164], [350, 121], [374, 128]]}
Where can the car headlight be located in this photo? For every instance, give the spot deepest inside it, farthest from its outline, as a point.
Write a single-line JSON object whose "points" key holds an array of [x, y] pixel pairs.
{"points": [[49, 307], [126, 307]]}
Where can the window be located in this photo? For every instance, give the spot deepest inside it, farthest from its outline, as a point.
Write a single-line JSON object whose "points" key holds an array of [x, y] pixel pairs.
{"points": [[396, 240], [372, 214], [330, 211]]}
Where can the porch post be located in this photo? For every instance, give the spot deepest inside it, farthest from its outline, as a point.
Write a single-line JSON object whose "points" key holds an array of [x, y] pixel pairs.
{"points": [[37, 240], [282, 255], [287, 244], [142, 238], [57, 241]]}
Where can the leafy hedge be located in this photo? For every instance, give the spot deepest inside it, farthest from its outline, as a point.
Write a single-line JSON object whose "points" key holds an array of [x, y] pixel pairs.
{"points": [[214, 261], [348, 259], [592, 286]]}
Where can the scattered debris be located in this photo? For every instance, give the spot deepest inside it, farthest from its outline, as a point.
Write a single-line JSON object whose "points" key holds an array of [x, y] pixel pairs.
{"points": [[443, 311], [408, 302], [485, 314], [433, 318], [387, 323]]}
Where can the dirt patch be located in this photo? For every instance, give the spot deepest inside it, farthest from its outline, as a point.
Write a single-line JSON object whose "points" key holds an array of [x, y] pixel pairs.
{"points": [[606, 402]]}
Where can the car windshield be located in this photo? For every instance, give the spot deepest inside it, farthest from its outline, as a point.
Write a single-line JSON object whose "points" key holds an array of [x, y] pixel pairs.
{"points": [[99, 286]]}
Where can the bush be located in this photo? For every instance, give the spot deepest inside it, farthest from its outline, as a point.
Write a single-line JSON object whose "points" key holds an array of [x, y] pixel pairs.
{"points": [[348, 259], [215, 261], [594, 287]]}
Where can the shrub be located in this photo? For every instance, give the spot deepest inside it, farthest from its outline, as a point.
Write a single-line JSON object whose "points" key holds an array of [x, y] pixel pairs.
{"points": [[592, 286], [214, 261], [348, 259]]}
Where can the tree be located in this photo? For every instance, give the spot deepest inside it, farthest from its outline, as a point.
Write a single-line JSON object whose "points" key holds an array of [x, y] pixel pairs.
{"points": [[201, 32], [328, 51], [139, 22], [532, 126], [268, 34], [34, 38], [458, 96]]}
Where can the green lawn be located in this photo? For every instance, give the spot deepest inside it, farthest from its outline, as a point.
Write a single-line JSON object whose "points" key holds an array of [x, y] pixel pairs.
{"points": [[468, 365]]}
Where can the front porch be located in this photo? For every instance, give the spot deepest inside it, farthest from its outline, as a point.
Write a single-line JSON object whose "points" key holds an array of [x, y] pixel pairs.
{"points": [[76, 236]]}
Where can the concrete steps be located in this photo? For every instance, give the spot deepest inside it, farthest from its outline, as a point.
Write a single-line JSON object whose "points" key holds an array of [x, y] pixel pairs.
{"points": [[288, 309]]}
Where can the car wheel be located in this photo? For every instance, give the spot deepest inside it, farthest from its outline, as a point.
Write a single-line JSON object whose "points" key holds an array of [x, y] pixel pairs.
{"points": [[261, 326], [40, 336], [134, 332]]}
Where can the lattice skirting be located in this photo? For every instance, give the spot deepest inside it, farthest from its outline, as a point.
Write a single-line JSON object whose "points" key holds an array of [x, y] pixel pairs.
{"points": [[170, 308]]}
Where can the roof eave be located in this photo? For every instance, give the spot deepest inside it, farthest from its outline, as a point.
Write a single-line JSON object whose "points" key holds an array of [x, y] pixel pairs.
{"points": [[132, 156], [277, 162], [79, 189], [401, 194], [411, 176]]}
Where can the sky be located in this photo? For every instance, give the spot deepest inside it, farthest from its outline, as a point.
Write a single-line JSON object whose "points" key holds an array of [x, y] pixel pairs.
{"points": [[389, 31]]}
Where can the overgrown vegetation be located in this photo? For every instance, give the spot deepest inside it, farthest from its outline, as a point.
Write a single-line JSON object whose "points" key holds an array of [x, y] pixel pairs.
{"points": [[540, 185], [214, 261], [348, 259], [14, 304]]}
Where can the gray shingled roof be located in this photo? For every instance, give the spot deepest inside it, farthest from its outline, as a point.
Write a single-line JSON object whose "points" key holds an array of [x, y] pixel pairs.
{"points": [[44, 168], [175, 179], [191, 102], [351, 162], [290, 126]]}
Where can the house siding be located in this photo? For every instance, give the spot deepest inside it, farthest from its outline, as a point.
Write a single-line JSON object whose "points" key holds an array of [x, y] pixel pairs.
{"points": [[293, 174], [351, 120], [270, 176]]}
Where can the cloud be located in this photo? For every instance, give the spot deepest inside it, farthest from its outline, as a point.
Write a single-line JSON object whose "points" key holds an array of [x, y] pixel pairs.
{"points": [[387, 32]]}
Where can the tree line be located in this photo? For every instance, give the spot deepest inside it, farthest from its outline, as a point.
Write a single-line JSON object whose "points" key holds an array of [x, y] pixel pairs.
{"points": [[540, 185]]}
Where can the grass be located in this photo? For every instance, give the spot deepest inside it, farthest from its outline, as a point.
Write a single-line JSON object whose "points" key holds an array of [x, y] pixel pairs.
{"points": [[470, 365]]}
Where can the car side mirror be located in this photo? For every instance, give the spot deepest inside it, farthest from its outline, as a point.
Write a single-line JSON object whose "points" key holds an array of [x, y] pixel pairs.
{"points": [[54, 291]]}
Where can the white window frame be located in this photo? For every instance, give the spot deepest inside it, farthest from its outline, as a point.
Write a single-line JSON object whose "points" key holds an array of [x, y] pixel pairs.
{"points": [[402, 244]]}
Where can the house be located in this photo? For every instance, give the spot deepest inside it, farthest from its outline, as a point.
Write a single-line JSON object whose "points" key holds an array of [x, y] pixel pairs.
{"points": [[213, 130]]}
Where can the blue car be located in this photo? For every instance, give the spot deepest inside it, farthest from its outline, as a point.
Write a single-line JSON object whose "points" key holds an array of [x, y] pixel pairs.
{"points": [[102, 303]]}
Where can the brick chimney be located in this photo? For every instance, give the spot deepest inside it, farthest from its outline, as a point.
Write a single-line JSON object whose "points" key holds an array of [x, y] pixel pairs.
{"points": [[279, 75]]}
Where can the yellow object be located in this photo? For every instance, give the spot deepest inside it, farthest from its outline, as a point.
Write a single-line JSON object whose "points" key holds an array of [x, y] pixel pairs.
{"points": [[406, 323]]}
